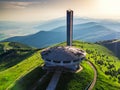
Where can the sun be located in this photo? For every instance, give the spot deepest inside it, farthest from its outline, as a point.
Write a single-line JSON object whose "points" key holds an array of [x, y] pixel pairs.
{"points": [[111, 7]]}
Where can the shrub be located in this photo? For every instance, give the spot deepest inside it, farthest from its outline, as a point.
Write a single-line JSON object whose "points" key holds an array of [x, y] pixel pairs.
{"points": [[119, 71], [119, 79], [100, 62]]}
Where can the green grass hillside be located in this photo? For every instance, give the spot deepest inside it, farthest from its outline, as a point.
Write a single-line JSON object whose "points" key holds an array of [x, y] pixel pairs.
{"points": [[17, 61], [107, 65], [5, 46], [21, 73], [12, 53], [75, 81]]}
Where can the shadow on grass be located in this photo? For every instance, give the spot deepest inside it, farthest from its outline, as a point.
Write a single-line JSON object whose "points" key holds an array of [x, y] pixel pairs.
{"points": [[26, 82], [74, 81], [12, 58], [43, 85], [65, 78]]}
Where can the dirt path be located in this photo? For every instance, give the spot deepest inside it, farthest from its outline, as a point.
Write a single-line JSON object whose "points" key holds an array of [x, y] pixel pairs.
{"points": [[95, 76]]}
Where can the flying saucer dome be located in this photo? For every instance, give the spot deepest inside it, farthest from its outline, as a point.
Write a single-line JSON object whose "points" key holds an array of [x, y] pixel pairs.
{"points": [[63, 55]]}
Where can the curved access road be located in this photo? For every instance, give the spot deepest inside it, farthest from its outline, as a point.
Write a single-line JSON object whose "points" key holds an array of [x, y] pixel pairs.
{"points": [[95, 76]]}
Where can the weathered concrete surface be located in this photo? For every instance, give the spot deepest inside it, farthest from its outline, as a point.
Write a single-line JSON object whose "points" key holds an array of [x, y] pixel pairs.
{"points": [[53, 83]]}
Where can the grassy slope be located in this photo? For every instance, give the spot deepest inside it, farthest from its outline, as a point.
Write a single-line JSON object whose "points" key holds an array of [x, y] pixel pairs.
{"points": [[15, 45], [75, 81], [13, 54], [12, 45], [13, 58], [97, 52], [29, 79], [9, 76]]}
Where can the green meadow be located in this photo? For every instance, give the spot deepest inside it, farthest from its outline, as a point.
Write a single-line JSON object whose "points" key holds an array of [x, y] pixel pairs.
{"points": [[20, 68]]}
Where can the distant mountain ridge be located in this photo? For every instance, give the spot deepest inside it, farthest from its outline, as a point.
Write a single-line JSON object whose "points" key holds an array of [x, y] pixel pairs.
{"points": [[2, 36], [90, 31], [40, 39], [113, 45]]}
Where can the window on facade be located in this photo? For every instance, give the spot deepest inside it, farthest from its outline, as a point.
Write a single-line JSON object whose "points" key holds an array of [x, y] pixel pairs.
{"points": [[66, 61], [56, 61], [75, 60], [48, 60]]}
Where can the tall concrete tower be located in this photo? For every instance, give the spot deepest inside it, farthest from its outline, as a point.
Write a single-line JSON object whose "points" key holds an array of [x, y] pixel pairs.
{"points": [[69, 27]]}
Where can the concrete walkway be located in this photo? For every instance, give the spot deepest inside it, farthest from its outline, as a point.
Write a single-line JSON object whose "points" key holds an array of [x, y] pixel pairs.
{"points": [[95, 76], [53, 83], [79, 70]]}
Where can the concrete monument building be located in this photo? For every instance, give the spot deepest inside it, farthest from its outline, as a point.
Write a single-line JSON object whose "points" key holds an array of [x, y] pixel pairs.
{"points": [[67, 58]]}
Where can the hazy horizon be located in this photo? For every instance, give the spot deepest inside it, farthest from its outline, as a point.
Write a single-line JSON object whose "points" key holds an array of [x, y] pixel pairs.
{"points": [[43, 10]]}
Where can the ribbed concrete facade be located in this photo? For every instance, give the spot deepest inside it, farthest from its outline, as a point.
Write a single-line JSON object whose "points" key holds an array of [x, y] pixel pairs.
{"points": [[69, 27], [65, 57]]}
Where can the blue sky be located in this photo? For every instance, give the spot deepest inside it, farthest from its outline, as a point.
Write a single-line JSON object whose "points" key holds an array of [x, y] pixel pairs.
{"points": [[40, 10]]}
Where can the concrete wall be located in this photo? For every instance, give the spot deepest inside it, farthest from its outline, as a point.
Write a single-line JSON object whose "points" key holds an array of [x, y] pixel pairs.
{"points": [[69, 27]]}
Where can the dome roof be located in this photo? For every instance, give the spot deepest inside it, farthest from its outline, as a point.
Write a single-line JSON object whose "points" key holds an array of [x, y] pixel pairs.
{"points": [[62, 53]]}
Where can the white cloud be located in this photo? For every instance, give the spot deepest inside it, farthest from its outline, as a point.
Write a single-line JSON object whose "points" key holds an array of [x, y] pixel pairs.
{"points": [[29, 10], [14, 5]]}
